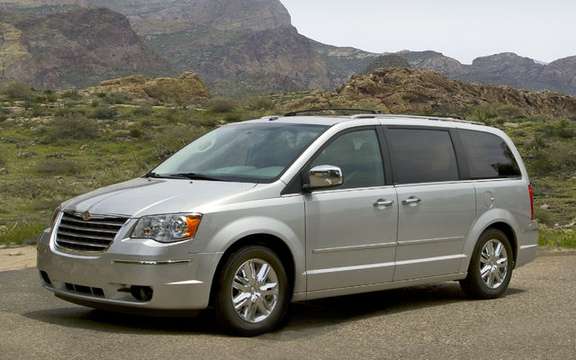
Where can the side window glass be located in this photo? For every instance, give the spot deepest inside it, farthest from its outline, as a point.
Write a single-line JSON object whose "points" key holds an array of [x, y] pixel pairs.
{"points": [[488, 156], [358, 155], [420, 156]]}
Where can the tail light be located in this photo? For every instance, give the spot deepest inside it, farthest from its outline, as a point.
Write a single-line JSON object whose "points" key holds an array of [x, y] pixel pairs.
{"points": [[531, 193]]}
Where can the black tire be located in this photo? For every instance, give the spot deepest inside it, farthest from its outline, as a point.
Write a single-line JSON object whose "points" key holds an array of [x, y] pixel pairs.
{"points": [[474, 286], [230, 320]]}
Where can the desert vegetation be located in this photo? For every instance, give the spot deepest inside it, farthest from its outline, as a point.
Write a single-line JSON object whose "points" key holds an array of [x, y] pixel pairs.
{"points": [[55, 145]]}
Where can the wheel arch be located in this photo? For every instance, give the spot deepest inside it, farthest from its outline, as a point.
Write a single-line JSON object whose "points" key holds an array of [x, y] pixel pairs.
{"points": [[499, 219], [510, 234], [272, 242]]}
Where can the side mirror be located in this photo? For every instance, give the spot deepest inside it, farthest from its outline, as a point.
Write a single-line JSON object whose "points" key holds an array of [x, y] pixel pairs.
{"points": [[324, 176]]}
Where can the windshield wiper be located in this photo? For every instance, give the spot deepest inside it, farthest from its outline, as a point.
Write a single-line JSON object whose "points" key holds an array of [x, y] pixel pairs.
{"points": [[188, 176], [164, 176], [196, 176]]}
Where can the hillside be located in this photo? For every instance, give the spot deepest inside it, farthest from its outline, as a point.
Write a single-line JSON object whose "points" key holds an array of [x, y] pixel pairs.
{"points": [[250, 46], [500, 69], [71, 49], [425, 91], [55, 145]]}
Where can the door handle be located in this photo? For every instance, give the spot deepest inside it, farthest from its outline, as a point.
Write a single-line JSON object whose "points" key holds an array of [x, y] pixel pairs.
{"points": [[412, 201], [382, 204]]}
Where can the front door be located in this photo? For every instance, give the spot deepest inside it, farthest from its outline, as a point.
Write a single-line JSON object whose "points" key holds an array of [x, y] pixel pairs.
{"points": [[351, 229]]}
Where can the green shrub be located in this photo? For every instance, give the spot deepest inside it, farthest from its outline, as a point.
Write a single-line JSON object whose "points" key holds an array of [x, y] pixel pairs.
{"points": [[145, 110], [70, 128], [70, 110], [544, 217], [260, 103], [552, 158], [496, 114], [558, 238], [117, 98], [175, 116], [57, 167], [49, 96], [36, 110], [104, 113], [221, 106], [71, 94], [233, 117], [563, 129], [18, 91], [136, 133]]}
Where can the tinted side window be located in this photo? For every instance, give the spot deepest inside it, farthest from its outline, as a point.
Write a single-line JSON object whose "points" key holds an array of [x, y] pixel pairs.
{"points": [[488, 156], [358, 155], [422, 156]]}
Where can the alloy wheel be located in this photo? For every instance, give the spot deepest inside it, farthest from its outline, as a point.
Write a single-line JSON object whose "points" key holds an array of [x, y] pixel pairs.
{"points": [[493, 263], [255, 290]]}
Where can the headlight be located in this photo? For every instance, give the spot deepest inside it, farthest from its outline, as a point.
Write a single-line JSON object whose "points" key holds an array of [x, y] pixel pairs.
{"points": [[167, 228]]}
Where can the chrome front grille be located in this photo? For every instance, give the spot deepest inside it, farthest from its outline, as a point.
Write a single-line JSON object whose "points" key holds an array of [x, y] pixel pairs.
{"points": [[95, 234]]}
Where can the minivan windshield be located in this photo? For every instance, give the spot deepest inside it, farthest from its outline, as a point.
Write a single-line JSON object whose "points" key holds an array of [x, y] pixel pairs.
{"points": [[250, 152]]}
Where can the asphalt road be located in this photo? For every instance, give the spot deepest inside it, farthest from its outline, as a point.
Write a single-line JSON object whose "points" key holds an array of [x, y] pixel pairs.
{"points": [[536, 320]]}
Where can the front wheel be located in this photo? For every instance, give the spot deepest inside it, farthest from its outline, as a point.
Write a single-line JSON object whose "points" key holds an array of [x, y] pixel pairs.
{"points": [[253, 292], [490, 267]]}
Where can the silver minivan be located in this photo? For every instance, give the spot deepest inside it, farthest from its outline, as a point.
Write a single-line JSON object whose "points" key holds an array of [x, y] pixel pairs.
{"points": [[259, 214]]}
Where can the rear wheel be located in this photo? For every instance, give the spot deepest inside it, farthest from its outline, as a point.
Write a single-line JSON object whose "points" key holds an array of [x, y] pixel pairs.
{"points": [[490, 267], [253, 292]]}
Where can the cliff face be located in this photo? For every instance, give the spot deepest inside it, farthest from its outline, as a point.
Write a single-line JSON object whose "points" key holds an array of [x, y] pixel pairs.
{"points": [[72, 49], [237, 46]]}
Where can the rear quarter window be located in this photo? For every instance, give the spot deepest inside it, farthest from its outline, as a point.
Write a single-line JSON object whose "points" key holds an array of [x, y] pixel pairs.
{"points": [[488, 156]]}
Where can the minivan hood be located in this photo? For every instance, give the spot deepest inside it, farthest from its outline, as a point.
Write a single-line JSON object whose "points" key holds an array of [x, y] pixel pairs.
{"points": [[147, 196]]}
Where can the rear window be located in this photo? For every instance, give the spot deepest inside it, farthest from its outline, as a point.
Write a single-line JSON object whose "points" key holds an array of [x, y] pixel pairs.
{"points": [[420, 156], [488, 156]]}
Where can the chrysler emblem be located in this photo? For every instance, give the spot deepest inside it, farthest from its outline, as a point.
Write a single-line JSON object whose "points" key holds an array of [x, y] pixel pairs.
{"points": [[86, 216]]}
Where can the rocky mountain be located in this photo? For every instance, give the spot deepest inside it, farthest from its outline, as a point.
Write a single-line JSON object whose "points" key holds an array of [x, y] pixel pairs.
{"points": [[388, 61], [500, 69], [160, 16], [71, 49], [250, 46], [236, 46]]}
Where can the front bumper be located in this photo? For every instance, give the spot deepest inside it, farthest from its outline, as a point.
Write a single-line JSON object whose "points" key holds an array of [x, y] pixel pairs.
{"points": [[179, 280]]}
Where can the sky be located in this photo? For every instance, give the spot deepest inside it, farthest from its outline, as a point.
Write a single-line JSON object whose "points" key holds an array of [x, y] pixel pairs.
{"points": [[544, 30]]}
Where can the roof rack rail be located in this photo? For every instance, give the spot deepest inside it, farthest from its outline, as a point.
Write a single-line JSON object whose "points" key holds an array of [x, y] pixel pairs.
{"points": [[435, 118], [341, 110]]}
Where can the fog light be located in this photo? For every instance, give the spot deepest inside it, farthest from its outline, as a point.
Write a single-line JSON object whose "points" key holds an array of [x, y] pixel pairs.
{"points": [[142, 293], [46, 278]]}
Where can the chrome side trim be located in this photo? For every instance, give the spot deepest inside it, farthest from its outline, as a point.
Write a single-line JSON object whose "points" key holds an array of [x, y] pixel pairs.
{"points": [[188, 282], [151, 262], [427, 241], [430, 259], [350, 268], [353, 248], [382, 265]]}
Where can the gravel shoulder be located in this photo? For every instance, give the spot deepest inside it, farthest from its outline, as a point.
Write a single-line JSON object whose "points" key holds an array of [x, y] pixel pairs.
{"points": [[17, 258]]}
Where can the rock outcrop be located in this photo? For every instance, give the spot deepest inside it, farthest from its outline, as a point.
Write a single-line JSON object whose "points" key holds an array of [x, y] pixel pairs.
{"points": [[426, 92], [182, 89]]}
